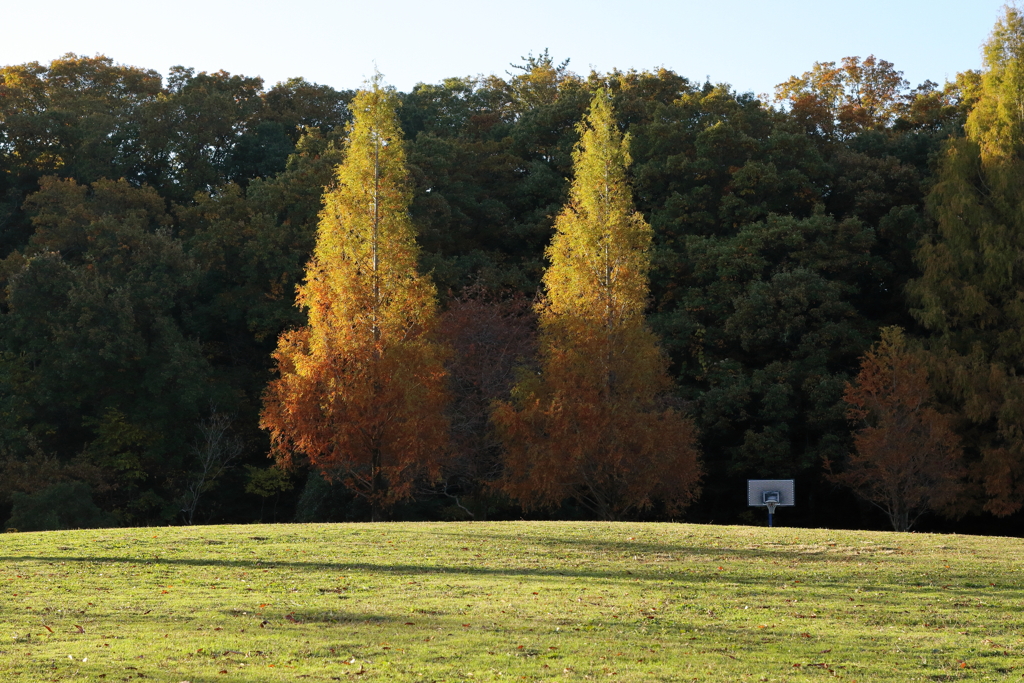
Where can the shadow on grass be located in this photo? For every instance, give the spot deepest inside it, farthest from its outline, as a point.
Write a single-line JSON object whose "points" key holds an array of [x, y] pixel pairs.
{"points": [[281, 617], [556, 557], [644, 569], [755, 547]]}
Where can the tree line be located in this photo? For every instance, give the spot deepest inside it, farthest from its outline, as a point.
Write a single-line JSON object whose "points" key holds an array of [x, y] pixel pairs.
{"points": [[823, 287]]}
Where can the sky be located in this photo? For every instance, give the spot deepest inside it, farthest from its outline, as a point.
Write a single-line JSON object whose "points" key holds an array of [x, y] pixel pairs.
{"points": [[750, 44]]}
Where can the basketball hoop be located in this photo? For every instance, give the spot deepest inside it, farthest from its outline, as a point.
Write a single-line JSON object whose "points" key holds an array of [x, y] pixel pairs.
{"points": [[770, 493]]}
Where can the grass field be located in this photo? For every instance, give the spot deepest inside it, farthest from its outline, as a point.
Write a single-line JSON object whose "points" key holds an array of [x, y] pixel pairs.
{"points": [[509, 601]]}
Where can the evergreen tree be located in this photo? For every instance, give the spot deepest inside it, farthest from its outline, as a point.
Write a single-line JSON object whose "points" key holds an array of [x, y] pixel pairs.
{"points": [[98, 358], [594, 425], [971, 290], [362, 390]]}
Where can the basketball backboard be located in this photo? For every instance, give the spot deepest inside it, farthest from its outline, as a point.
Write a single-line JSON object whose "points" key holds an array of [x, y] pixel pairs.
{"points": [[761, 492]]}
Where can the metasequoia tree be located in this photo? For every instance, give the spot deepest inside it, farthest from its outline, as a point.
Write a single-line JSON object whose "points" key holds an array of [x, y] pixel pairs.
{"points": [[970, 292], [907, 458], [362, 388], [594, 424]]}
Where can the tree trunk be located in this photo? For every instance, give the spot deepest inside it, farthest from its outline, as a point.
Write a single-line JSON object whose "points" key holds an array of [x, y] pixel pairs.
{"points": [[377, 486]]}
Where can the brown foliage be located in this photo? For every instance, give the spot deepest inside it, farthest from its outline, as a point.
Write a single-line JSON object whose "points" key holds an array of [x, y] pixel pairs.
{"points": [[489, 338], [368, 416], [594, 426], [907, 460]]}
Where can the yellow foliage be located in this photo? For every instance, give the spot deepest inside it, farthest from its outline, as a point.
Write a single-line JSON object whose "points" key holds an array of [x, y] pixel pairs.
{"points": [[996, 122]]}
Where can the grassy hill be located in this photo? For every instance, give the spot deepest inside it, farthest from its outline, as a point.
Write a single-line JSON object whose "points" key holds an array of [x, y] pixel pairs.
{"points": [[509, 601]]}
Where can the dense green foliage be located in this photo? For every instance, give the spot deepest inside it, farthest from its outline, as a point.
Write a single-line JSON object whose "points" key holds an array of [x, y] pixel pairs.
{"points": [[153, 232]]}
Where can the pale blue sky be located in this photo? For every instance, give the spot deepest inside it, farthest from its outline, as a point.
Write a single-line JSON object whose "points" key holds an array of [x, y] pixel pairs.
{"points": [[751, 45]]}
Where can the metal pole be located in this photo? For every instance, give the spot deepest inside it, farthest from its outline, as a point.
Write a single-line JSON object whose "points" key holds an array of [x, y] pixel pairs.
{"points": [[770, 521]]}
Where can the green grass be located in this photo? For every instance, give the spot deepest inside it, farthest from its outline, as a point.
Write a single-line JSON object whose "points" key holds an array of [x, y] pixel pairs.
{"points": [[508, 601]]}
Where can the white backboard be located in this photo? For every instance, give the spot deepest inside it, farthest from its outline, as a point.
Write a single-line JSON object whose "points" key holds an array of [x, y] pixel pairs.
{"points": [[757, 487]]}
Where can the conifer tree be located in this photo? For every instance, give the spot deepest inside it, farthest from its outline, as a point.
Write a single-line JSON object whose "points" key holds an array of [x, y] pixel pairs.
{"points": [[362, 388], [594, 425], [971, 292]]}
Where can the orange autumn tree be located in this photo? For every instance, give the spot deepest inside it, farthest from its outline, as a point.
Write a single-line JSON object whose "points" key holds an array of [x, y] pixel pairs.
{"points": [[362, 388], [594, 424], [907, 458]]}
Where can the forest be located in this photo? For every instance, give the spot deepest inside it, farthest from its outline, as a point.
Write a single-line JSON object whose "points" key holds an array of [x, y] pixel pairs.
{"points": [[825, 285]]}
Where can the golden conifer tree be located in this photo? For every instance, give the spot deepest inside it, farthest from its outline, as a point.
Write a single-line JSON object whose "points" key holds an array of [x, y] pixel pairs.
{"points": [[969, 294], [362, 388], [594, 424]]}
